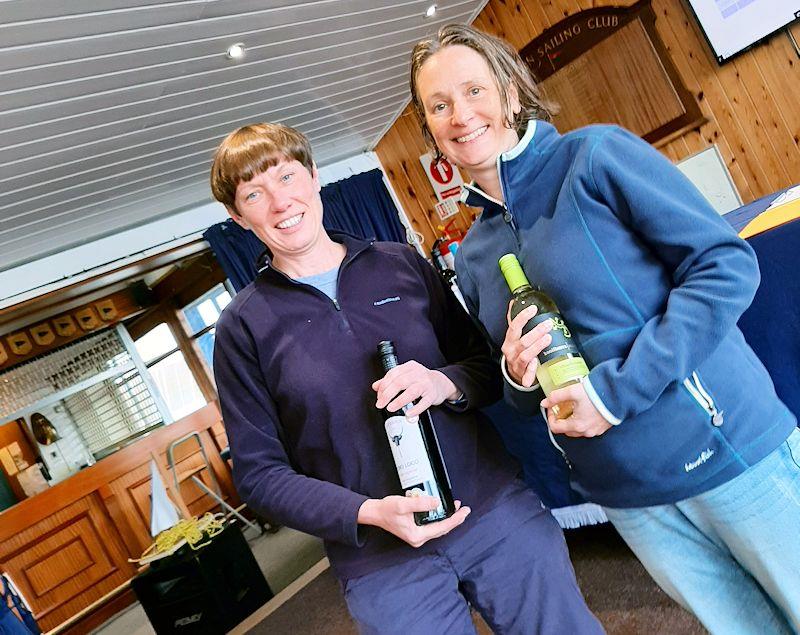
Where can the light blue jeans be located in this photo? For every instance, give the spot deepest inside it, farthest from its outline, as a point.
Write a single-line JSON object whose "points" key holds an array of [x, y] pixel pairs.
{"points": [[731, 555]]}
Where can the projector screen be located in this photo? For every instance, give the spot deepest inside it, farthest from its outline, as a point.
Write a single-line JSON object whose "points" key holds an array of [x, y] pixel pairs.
{"points": [[730, 26]]}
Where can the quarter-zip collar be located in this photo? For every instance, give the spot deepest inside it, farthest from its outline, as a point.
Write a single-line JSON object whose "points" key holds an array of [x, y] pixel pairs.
{"points": [[353, 244]]}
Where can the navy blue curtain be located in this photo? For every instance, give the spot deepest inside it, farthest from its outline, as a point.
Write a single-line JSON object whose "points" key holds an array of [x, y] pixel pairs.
{"points": [[236, 250], [359, 205]]}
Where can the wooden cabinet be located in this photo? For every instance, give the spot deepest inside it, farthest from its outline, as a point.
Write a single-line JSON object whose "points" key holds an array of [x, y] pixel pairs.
{"points": [[69, 546], [12, 433]]}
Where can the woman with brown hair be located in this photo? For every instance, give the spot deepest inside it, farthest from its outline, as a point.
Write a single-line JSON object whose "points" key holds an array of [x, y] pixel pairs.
{"points": [[676, 431]]}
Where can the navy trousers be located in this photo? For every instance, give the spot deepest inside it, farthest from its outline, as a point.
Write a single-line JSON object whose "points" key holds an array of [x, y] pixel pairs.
{"points": [[511, 564]]}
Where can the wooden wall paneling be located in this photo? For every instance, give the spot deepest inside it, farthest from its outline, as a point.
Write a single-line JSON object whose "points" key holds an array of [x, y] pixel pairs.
{"points": [[751, 119], [193, 497], [780, 112], [512, 22], [396, 163], [722, 92], [131, 495], [211, 440], [116, 510], [697, 59], [692, 142], [65, 561], [588, 4], [487, 22], [555, 10], [410, 142], [777, 62], [220, 436], [671, 150], [13, 432], [602, 86], [668, 12], [537, 19], [90, 479], [634, 40]]}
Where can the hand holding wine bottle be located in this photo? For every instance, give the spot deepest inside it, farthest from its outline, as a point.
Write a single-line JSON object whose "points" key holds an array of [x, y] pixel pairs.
{"points": [[412, 437], [585, 420], [520, 350], [396, 514], [411, 382]]}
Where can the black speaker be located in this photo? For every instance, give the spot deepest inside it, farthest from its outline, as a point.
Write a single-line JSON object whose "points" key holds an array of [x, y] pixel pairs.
{"points": [[206, 591]]}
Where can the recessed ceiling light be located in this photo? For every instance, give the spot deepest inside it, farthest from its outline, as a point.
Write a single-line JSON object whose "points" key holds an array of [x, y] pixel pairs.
{"points": [[235, 51], [430, 11]]}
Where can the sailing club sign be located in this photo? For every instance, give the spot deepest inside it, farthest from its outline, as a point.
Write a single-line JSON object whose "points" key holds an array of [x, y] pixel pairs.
{"points": [[569, 39]]}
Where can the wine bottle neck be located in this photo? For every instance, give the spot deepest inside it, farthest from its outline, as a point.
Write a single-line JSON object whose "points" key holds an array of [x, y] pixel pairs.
{"points": [[387, 355], [388, 362], [512, 272]]}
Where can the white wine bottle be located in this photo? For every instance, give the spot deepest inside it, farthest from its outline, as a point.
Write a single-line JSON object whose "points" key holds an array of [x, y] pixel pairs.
{"points": [[560, 364], [416, 452]]}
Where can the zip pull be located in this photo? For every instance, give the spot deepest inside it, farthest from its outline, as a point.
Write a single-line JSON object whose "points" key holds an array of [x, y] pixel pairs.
{"points": [[336, 304], [553, 439], [704, 399]]}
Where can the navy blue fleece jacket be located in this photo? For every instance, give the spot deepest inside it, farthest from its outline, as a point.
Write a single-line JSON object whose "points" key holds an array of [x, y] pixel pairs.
{"points": [[651, 281], [294, 374]]}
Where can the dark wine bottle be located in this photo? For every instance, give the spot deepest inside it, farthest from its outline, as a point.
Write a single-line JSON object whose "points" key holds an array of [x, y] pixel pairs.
{"points": [[416, 452]]}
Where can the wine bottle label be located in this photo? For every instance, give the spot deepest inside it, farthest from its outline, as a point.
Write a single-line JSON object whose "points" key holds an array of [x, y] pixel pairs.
{"points": [[568, 370], [410, 457], [561, 344]]}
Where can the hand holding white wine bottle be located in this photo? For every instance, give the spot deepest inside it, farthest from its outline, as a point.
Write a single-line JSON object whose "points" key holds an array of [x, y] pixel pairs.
{"points": [[560, 363]]}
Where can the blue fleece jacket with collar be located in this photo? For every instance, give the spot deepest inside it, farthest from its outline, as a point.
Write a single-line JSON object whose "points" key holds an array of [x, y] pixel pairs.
{"points": [[294, 371], [651, 281]]}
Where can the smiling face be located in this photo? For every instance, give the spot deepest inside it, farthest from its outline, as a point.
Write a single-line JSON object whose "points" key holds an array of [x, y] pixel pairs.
{"points": [[464, 110], [282, 206]]}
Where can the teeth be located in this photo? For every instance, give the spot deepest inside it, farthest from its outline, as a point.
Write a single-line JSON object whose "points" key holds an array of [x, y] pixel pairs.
{"points": [[472, 135], [289, 222]]}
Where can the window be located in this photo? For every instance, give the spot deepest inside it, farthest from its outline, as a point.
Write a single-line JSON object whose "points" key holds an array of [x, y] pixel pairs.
{"points": [[160, 353], [89, 392], [201, 317]]}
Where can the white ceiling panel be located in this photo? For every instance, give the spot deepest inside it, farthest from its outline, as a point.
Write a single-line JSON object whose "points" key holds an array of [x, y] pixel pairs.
{"points": [[110, 110]]}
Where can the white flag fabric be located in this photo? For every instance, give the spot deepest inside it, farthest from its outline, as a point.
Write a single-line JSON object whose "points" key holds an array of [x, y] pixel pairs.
{"points": [[162, 513]]}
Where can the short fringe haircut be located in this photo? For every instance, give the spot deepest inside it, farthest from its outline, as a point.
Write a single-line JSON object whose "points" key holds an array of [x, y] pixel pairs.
{"points": [[507, 67], [251, 150]]}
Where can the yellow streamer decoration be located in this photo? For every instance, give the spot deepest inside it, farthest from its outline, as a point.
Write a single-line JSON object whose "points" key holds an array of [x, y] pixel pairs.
{"points": [[197, 533]]}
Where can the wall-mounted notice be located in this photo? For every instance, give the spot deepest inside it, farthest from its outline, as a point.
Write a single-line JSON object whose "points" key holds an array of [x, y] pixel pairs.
{"points": [[707, 170]]}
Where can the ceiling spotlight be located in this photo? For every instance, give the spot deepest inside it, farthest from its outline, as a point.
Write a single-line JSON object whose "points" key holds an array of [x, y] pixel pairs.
{"points": [[430, 11], [235, 51]]}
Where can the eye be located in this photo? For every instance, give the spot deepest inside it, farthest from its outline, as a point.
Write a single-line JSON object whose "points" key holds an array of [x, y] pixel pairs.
{"points": [[475, 91], [287, 178], [251, 197], [437, 108]]}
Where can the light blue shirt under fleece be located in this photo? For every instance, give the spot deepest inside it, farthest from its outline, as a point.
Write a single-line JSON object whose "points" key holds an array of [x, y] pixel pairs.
{"points": [[325, 281]]}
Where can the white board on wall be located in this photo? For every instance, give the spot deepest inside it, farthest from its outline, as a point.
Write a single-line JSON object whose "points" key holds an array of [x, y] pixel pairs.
{"points": [[707, 170]]}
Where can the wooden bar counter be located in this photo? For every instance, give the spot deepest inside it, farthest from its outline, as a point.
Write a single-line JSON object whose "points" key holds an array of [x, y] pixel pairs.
{"points": [[68, 546]]}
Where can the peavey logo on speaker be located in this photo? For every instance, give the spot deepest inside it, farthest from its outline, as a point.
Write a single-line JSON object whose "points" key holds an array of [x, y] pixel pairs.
{"points": [[191, 619]]}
